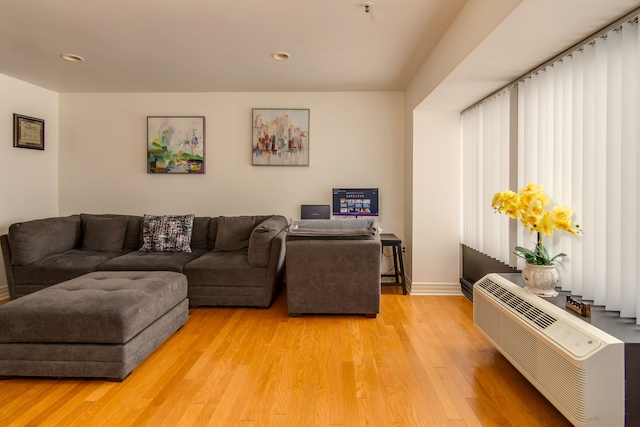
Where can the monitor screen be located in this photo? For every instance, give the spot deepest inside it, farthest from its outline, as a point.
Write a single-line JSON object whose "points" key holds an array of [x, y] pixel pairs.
{"points": [[355, 201]]}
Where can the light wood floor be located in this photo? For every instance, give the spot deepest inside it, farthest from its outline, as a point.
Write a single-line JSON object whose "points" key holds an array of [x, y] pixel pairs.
{"points": [[421, 362]]}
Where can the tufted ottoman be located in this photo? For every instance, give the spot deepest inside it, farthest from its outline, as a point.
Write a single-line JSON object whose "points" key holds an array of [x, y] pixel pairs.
{"points": [[102, 324]]}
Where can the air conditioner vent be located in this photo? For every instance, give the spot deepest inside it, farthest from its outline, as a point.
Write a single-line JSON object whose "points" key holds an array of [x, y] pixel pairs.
{"points": [[577, 366], [525, 309]]}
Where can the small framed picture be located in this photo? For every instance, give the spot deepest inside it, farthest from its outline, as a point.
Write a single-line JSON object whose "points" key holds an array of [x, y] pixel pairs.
{"points": [[28, 132]]}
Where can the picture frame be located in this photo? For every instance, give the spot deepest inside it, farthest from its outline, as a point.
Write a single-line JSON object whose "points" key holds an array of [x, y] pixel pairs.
{"points": [[176, 144], [280, 137], [28, 132]]}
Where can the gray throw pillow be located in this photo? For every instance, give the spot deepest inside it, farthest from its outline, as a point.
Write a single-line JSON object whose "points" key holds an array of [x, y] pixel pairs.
{"points": [[234, 232], [168, 233], [104, 234]]}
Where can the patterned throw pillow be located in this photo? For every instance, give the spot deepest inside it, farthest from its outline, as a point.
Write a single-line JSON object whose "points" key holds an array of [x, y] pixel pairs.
{"points": [[168, 233]]}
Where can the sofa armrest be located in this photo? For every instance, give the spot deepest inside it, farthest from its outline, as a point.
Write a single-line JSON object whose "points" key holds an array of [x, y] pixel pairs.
{"points": [[277, 256], [261, 240], [275, 270], [6, 256], [36, 239]]}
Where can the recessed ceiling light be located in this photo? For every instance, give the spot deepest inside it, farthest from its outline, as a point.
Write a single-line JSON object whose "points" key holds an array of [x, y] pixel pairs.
{"points": [[72, 58], [280, 56]]}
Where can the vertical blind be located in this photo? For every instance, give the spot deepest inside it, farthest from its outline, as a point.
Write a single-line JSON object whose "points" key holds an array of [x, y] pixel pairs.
{"points": [[578, 125], [486, 152]]}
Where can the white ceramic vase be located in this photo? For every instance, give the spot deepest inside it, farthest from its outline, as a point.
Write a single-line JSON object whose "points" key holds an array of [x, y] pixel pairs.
{"points": [[541, 279]]}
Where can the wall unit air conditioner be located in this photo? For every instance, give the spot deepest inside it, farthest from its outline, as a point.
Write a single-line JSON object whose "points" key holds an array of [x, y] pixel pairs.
{"points": [[575, 365]]}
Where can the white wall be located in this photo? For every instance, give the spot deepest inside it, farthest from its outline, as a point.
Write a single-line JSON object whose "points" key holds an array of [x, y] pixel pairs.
{"points": [[29, 177], [436, 202], [356, 139], [432, 223]]}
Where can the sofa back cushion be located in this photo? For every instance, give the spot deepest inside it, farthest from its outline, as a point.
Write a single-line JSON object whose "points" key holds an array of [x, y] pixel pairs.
{"points": [[213, 232], [233, 233], [132, 237], [261, 238], [134, 231], [200, 233], [33, 240], [104, 234]]}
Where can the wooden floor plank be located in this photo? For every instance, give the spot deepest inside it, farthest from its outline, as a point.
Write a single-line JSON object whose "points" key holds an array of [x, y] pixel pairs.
{"points": [[435, 413], [37, 410], [259, 400], [67, 406], [71, 416], [189, 417], [350, 401], [230, 407], [420, 362]]}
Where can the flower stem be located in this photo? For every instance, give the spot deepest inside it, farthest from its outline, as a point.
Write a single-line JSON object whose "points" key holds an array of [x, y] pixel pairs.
{"points": [[539, 253]]}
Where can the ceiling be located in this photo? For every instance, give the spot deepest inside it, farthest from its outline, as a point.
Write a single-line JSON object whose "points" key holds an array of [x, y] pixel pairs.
{"points": [[220, 45], [534, 32], [226, 45]]}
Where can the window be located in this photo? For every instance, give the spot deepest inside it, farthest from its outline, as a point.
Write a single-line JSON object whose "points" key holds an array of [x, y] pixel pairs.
{"points": [[577, 135]]}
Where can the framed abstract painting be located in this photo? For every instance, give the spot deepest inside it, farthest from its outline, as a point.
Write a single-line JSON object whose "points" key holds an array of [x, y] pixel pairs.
{"points": [[175, 144], [280, 137]]}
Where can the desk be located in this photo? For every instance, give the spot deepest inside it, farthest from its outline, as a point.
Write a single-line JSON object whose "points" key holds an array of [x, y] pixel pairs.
{"points": [[398, 265]]}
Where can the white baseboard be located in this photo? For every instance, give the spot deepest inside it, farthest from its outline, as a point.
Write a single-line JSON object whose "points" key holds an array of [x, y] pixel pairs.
{"points": [[442, 289], [4, 293]]}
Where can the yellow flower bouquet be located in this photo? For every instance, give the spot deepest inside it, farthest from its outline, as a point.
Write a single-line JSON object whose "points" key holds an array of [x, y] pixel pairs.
{"points": [[529, 206]]}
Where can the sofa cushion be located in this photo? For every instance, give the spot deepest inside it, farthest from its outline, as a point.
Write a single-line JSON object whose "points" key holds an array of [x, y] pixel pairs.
{"points": [[104, 234], [234, 233], [33, 240], [151, 261], [261, 238], [57, 268], [167, 233], [226, 269]]}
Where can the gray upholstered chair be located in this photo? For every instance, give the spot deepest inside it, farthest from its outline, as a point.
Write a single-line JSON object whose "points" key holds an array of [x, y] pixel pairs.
{"points": [[333, 266]]}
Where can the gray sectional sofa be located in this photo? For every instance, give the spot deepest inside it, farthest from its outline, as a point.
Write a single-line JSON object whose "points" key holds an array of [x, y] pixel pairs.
{"points": [[228, 261], [333, 267]]}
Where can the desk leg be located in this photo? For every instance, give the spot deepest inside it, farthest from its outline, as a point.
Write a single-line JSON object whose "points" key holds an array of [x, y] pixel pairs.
{"points": [[404, 285], [395, 263]]}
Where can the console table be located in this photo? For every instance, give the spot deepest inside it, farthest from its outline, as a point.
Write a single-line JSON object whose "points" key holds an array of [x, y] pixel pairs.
{"points": [[388, 239]]}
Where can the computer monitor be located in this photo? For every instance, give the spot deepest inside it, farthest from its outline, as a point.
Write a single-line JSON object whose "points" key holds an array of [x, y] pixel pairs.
{"points": [[355, 202]]}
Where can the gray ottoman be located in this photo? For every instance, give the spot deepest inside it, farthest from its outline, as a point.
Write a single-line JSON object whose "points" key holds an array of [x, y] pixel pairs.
{"points": [[101, 324]]}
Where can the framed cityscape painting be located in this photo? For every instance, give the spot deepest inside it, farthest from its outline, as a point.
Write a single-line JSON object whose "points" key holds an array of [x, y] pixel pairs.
{"points": [[175, 144], [280, 137]]}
